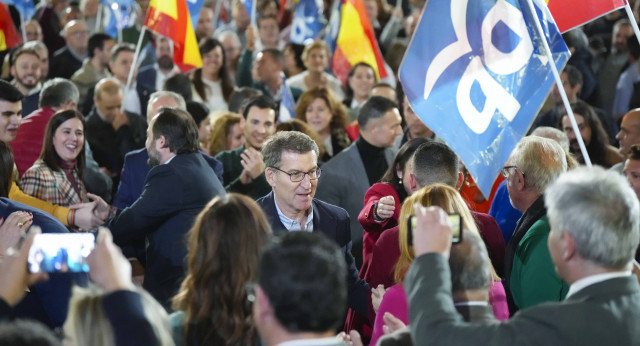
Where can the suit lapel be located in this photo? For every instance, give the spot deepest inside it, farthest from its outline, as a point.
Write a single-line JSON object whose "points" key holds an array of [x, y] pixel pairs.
{"points": [[323, 222], [272, 214]]}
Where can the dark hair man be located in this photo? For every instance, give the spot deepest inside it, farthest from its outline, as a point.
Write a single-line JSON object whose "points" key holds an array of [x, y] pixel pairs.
{"points": [[243, 167], [301, 291], [177, 187], [96, 67], [350, 173]]}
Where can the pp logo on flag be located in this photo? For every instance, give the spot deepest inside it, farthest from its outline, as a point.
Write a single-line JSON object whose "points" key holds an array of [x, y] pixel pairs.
{"points": [[476, 74]]}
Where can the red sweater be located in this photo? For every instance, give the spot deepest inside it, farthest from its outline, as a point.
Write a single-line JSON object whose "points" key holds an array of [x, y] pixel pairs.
{"points": [[28, 143]]}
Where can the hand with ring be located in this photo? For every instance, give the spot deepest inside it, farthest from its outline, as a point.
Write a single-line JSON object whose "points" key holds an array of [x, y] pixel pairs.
{"points": [[12, 228]]}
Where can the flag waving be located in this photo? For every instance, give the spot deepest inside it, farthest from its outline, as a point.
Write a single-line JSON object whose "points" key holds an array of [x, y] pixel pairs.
{"points": [[170, 18], [476, 74], [569, 14], [8, 36], [307, 23], [356, 42]]}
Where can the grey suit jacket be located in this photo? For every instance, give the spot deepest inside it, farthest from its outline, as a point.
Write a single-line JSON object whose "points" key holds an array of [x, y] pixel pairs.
{"points": [[344, 183], [606, 313]]}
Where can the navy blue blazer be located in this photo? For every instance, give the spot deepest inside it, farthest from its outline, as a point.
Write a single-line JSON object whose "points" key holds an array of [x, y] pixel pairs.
{"points": [[147, 77], [333, 222], [47, 301], [173, 195], [134, 173]]}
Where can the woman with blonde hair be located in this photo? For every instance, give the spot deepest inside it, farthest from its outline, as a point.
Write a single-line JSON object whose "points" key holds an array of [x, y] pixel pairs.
{"points": [[87, 323], [315, 57], [224, 247], [320, 109], [227, 133], [395, 299]]}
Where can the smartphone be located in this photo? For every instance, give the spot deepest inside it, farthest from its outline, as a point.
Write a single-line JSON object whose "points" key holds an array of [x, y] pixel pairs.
{"points": [[456, 223], [60, 252]]}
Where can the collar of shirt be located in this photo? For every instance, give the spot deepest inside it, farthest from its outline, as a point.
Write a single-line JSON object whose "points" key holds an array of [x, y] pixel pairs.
{"points": [[169, 160], [294, 225], [594, 279], [310, 342]]}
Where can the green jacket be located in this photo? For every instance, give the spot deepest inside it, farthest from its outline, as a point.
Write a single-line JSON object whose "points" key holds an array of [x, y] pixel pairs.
{"points": [[230, 159], [533, 276]]}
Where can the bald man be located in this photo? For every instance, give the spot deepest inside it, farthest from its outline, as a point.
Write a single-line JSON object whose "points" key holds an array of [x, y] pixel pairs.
{"points": [[629, 135], [69, 59], [111, 133]]}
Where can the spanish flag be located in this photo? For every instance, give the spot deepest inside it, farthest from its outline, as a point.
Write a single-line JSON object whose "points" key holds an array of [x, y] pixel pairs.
{"points": [[8, 36], [356, 41], [569, 14], [170, 18]]}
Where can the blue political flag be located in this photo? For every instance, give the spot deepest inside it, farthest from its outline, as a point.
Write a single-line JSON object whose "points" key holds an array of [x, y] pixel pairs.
{"points": [[476, 73], [195, 6], [24, 7], [248, 5], [307, 23], [118, 14], [333, 29], [286, 103]]}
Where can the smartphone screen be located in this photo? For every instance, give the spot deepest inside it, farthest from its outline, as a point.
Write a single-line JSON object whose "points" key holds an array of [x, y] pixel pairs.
{"points": [[60, 252], [456, 223]]}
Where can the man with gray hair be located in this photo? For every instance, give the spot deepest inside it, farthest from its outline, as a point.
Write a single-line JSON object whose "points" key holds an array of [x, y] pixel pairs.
{"points": [[291, 168], [595, 221], [529, 276], [67, 60], [57, 94]]}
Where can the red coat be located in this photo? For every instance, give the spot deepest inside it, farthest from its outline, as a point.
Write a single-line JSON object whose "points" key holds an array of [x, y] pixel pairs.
{"points": [[28, 143]]}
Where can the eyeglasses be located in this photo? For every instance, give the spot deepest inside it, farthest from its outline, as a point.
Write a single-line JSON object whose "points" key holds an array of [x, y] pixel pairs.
{"points": [[299, 176], [505, 170]]}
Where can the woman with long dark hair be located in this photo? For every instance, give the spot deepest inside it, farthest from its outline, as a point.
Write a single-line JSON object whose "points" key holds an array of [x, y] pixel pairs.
{"points": [[223, 258], [212, 83], [56, 176]]}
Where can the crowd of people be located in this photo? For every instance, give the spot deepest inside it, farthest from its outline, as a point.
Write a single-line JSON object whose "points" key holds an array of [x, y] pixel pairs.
{"points": [[219, 221]]}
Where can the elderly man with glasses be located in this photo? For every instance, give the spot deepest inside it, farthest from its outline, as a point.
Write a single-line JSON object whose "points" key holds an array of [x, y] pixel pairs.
{"points": [[291, 168], [529, 274]]}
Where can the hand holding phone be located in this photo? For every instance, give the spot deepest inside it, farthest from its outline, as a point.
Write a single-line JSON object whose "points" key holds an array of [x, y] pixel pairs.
{"points": [[456, 223], [61, 252]]}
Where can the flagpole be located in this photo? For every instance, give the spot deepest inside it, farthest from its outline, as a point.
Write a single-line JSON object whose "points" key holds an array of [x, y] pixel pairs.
{"points": [[133, 65], [216, 14], [254, 15], [632, 19], [24, 31], [559, 84], [99, 17]]}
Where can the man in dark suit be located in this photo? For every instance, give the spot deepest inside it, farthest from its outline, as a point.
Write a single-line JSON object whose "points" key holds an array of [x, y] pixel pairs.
{"points": [[136, 166], [591, 212], [349, 174], [67, 60], [178, 186], [291, 161]]}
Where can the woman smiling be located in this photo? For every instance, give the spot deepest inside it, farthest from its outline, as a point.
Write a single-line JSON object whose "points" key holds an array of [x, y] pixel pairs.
{"points": [[56, 176]]}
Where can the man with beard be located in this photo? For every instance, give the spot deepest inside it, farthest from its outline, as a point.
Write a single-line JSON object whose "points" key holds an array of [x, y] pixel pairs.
{"points": [[178, 186], [25, 70], [614, 64], [153, 76]]}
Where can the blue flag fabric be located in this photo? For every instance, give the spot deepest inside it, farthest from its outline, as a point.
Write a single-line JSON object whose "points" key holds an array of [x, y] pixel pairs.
{"points": [[476, 73], [333, 29], [286, 103], [24, 7], [307, 23], [248, 5], [119, 12], [194, 11]]}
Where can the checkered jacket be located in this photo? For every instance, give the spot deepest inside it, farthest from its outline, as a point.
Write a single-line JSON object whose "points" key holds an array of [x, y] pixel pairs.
{"points": [[42, 182]]}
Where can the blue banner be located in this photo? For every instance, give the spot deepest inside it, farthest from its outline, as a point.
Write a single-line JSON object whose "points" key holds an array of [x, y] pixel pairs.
{"points": [[194, 11], [333, 29], [248, 5], [307, 23], [476, 73], [286, 103], [119, 12], [24, 7]]}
